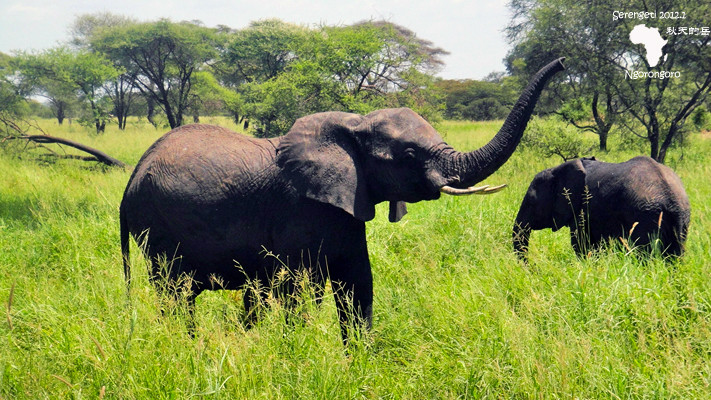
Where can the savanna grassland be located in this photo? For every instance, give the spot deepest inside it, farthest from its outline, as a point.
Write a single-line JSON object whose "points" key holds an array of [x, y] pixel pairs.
{"points": [[455, 314]]}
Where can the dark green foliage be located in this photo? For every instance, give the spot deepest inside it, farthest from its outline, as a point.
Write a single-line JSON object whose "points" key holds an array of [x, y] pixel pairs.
{"points": [[600, 53], [476, 100], [10, 97], [61, 73], [265, 76], [701, 118], [553, 137], [163, 56], [285, 71]]}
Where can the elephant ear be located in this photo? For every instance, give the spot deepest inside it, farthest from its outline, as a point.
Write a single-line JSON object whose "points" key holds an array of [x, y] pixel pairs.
{"points": [[320, 157], [569, 189]]}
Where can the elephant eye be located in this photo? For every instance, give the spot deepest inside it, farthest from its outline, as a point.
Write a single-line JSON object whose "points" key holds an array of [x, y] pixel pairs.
{"points": [[410, 153]]}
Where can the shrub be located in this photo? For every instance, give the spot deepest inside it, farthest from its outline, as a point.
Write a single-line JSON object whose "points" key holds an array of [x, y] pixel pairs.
{"points": [[551, 136]]}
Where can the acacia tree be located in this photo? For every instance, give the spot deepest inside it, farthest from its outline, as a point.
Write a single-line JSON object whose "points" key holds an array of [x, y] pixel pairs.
{"points": [[163, 55], [400, 52], [662, 106], [37, 80], [599, 52], [285, 71], [260, 51], [81, 71], [121, 90]]}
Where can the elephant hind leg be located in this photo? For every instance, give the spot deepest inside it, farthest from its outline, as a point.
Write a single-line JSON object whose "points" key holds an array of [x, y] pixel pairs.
{"points": [[653, 239], [673, 241], [177, 290]]}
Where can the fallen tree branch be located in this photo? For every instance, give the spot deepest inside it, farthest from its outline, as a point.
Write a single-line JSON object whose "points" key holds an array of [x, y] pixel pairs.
{"points": [[98, 155]]}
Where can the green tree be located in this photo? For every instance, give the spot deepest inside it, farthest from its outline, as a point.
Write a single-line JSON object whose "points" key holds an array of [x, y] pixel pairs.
{"points": [[10, 95], [476, 100], [121, 90], [598, 94], [36, 79], [662, 106], [285, 71], [382, 64], [208, 97], [259, 52], [164, 55], [277, 103], [584, 32], [79, 72], [10, 98]]}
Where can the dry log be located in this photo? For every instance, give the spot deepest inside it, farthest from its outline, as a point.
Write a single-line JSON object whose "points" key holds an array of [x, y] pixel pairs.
{"points": [[98, 155]]}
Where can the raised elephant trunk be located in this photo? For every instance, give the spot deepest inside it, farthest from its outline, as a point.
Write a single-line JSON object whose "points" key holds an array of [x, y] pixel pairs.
{"points": [[466, 169]]}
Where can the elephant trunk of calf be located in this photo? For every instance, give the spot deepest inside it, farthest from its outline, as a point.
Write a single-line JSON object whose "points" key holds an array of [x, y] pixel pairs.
{"points": [[469, 168]]}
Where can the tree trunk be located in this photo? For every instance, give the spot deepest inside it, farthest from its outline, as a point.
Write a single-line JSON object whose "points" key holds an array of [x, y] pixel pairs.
{"points": [[60, 114], [603, 127], [603, 133], [150, 103], [121, 121], [654, 143]]}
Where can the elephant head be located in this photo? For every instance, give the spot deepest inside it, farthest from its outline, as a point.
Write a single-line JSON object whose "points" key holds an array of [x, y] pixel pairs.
{"points": [[553, 200], [354, 162]]}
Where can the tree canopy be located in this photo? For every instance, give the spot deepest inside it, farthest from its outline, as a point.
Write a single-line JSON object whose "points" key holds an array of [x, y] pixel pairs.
{"points": [[59, 72], [268, 74], [599, 94], [162, 56]]}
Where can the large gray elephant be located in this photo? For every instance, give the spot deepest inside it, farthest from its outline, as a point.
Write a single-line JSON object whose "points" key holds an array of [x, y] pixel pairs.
{"points": [[207, 198], [638, 200]]}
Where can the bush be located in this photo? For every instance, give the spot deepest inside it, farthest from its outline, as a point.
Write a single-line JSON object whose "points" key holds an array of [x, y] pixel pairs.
{"points": [[701, 118], [551, 136]]}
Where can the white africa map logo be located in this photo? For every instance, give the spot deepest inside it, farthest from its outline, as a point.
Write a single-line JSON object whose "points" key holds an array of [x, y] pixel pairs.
{"points": [[652, 41]]}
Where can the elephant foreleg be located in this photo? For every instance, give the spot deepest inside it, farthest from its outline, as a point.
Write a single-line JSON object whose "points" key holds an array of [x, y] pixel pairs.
{"points": [[352, 287]]}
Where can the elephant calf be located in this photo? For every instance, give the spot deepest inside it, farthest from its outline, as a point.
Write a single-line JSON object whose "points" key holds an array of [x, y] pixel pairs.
{"points": [[638, 200]]}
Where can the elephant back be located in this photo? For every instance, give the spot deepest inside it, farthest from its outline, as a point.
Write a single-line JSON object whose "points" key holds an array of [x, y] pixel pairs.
{"points": [[203, 159]]}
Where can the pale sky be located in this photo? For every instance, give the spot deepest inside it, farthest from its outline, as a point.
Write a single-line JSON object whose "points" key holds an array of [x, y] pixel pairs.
{"points": [[471, 30]]}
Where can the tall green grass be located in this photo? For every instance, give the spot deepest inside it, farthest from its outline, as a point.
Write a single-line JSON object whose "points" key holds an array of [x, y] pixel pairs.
{"points": [[455, 314]]}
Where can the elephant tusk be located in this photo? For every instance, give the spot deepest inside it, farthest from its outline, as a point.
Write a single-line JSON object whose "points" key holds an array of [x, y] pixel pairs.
{"points": [[486, 189]]}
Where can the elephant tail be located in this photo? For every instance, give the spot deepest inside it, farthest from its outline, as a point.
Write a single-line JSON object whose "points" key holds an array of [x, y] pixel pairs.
{"points": [[125, 249]]}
